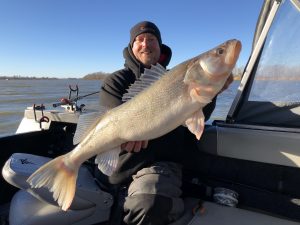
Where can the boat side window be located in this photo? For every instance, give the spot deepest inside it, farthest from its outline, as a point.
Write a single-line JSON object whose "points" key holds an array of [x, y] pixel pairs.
{"points": [[277, 77], [274, 96]]}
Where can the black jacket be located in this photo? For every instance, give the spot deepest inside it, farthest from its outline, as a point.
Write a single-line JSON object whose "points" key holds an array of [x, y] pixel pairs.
{"points": [[169, 147]]}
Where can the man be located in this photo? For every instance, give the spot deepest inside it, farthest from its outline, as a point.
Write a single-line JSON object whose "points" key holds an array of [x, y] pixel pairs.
{"points": [[151, 170]]}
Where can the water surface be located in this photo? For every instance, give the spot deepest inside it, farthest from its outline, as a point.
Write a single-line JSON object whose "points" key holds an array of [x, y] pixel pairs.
{"points": [[17, 95]]}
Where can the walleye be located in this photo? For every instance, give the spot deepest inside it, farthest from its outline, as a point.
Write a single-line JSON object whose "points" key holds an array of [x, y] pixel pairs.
{"points": [[157, 103]]}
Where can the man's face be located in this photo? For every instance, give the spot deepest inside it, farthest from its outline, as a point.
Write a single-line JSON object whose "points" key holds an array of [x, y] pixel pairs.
{"points": [[146, 49]]}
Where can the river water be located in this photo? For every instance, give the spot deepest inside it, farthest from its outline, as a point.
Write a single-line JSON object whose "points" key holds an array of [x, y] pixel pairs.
{"points": [[17, 95]]}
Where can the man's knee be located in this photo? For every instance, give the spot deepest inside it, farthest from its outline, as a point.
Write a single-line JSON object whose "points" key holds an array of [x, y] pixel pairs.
{"points": [[154, 195], [147, 209]]}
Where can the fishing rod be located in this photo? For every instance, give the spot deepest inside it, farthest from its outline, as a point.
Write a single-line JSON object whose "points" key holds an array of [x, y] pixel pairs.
{"points": [[65, 101], [70, 100]]}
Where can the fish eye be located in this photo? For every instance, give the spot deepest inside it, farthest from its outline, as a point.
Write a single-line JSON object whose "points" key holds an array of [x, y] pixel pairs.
{"points": [[220, 51]]}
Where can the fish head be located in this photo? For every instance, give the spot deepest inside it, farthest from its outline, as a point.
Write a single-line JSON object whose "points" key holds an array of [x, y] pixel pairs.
{"points": [[213, 67]]}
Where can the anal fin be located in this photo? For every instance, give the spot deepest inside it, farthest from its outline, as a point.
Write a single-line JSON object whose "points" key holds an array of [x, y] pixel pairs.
{"points": [[108, 161]]}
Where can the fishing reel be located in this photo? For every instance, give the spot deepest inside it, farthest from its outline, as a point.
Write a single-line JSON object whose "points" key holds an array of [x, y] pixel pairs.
{"points": [[70, 103]]}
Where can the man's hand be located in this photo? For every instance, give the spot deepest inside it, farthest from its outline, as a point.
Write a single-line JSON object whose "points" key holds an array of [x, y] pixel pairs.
{"points": [[227, 83], [135, 146]]}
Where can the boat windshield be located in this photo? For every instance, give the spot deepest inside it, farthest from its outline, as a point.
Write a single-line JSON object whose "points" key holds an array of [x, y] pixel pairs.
{"points": [[273, 98]]}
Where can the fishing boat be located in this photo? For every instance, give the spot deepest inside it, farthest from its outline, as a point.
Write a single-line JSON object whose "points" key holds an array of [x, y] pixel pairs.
{"points": [[249, 163]]}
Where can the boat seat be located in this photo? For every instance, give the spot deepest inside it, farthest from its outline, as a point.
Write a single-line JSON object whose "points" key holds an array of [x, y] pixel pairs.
{"points": [[90, 202], [224, 215], [91, 205]]}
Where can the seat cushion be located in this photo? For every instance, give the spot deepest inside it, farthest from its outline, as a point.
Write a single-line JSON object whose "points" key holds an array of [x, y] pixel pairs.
{"points": [[20, 166], [224, 215]]}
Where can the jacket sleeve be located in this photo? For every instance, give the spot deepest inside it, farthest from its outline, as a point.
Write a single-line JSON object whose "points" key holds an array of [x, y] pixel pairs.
{"points": [[209, 108], [114, 87]]}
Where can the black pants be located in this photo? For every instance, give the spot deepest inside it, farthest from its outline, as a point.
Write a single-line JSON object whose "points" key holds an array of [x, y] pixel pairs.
{"points": [[147, 209], [154, 195]]}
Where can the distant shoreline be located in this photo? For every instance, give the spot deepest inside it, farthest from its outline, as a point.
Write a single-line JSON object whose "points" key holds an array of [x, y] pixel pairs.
{"points": [[93, 76], [26, 78], [35, 78]]}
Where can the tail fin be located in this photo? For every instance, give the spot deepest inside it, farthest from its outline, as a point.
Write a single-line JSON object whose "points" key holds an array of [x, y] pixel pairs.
{"points": [[59, 178]]}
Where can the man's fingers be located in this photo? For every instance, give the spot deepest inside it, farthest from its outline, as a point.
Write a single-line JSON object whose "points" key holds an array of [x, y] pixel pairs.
{"points": [[137, 146], [129, 146], [144, 144]]}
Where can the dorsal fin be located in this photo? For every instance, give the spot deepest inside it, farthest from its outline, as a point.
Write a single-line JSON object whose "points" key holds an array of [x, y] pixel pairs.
{"points": [[85, 123], [147, 79]]}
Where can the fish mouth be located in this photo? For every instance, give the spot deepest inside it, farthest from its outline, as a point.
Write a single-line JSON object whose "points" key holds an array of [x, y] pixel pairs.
{"points": [[235, 47]]}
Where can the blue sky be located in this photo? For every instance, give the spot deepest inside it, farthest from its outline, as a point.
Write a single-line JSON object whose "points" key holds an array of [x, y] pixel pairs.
{"points": [[71, 38]]}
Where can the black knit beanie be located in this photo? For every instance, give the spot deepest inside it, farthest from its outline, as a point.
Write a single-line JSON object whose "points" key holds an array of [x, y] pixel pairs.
{"points": [[144, 27]]}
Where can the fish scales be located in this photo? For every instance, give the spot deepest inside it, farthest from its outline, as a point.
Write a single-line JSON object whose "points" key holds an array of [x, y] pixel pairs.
{"points": [[177, 98]]}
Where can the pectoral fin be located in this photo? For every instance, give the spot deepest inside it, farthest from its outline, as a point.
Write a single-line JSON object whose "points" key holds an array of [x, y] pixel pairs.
{"points": [[195, 124], [200, 93]]}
